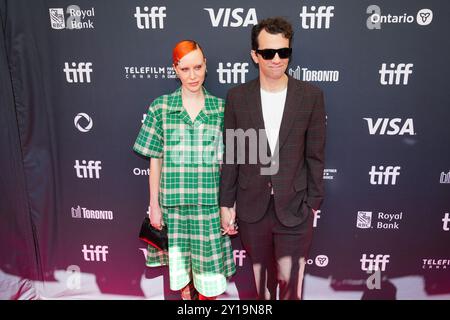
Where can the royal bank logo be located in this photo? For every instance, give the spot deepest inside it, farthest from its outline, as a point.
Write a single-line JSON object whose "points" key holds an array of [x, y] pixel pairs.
{"points": [[376, 19], [84, 213], [306, 74], [364, 219], [234, 18], [329, 174], [77, 18], [381, 220], [390, 127], [149, 72], [435, 264], [316, 17], [78, 72], [57, 18], [445, 177], [374, 262], [395, 74], [150, 18], [83, 122], [232, 72]]}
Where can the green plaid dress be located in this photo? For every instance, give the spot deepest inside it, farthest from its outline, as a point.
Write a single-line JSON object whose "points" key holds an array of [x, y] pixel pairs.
{"points": [[189, 187]]}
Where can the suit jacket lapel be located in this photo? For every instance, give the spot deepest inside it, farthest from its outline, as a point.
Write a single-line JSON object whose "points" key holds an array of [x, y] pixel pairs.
{"points": [[293, 100], [254, 102]]}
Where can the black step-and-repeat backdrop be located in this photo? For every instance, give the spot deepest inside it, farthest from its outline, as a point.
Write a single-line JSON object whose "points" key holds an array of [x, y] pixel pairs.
{"points": [[77, 79]]}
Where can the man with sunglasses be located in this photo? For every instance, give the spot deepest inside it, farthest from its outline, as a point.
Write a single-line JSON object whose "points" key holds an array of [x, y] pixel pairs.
{"points": [[275, 202]]}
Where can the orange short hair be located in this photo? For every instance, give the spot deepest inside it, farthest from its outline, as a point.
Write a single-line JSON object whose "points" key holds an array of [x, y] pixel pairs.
{"points": [[182, 48]]}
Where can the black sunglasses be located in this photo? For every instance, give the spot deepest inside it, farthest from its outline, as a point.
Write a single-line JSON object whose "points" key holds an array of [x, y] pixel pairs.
{"points": [[269, 54]]}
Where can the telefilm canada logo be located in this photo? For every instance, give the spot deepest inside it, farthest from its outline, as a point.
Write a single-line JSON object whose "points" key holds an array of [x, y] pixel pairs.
{"points": [[74, 18], [377, 18], [148, 72], [306, 74], [379, 220], [435, 264]]}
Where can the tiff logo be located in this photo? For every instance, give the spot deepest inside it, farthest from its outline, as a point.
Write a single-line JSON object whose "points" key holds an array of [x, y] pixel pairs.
{"points": [[239, 256], [235, 74], [97, 254], [237, 14], [314, 20], [316, 217], [389, 173], [88, 169], [154, 19], [395, 74], [446, 221], [445, 177], [78, 73], [373, 264], [391, 127]]}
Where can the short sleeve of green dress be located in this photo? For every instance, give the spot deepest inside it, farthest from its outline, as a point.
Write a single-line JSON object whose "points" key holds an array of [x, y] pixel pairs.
{"points": [[150, 140]]}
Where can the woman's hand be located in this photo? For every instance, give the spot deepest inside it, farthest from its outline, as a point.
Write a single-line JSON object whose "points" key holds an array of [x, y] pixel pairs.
{"points": [[228, 221], [155, 216]]}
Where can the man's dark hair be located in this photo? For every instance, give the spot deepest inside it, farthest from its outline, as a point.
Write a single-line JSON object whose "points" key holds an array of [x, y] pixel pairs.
{"points": [[273, 26]]}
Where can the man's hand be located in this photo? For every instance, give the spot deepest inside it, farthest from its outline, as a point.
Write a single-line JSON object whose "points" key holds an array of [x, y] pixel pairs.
{"points": [[228, 221]]}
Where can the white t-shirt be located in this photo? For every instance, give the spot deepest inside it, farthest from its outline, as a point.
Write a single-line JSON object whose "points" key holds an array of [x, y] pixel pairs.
{"points": [[272, 108]]}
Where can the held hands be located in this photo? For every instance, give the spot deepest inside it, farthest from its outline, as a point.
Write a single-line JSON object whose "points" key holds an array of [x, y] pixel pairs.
{"points": [[228, 221], [155, 216]]}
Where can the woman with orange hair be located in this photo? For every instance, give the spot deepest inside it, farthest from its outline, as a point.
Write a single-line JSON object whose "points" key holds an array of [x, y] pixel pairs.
{"points": [[182, 135]]}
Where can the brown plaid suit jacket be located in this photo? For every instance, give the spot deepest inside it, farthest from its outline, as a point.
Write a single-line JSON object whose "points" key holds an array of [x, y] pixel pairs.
{"points": [[298, 183]]}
